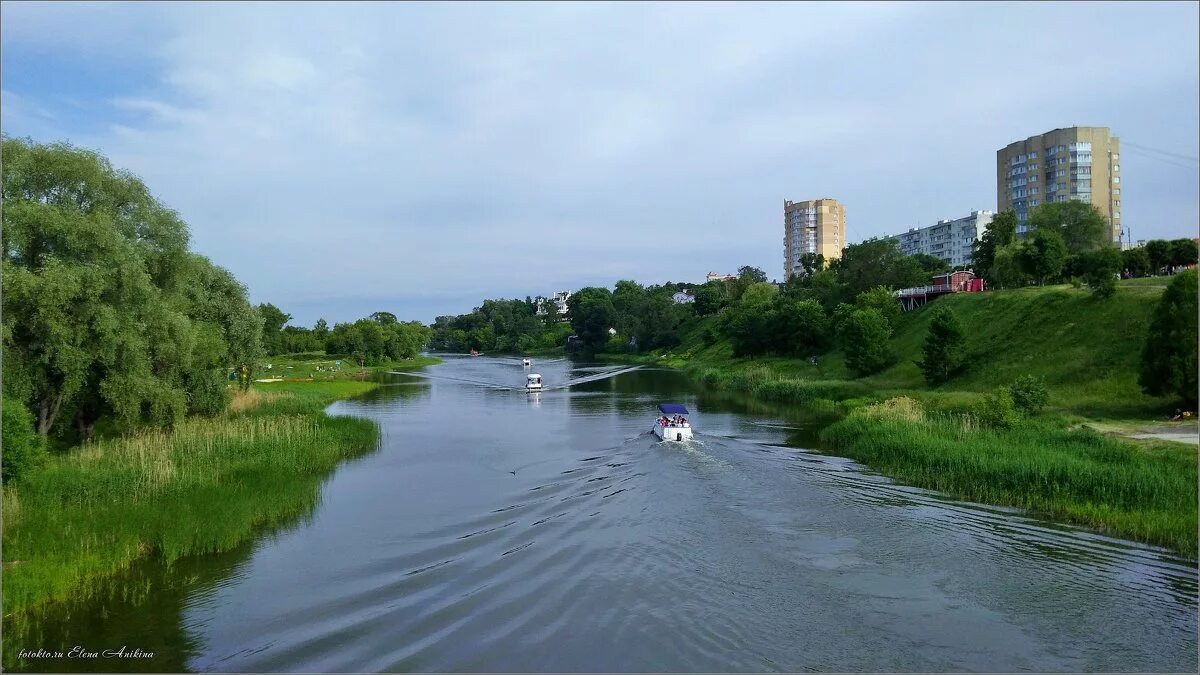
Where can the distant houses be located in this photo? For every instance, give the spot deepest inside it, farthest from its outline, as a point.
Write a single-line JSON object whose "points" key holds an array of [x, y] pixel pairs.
{"points": [[684, 296], [713, 276], [558, 302]]}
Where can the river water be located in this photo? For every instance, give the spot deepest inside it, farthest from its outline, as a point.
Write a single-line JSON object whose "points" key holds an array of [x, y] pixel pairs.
{"points": [[495, 531]]}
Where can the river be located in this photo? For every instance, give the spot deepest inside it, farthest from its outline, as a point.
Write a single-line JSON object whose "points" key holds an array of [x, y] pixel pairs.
{"points": [[495, 531]]}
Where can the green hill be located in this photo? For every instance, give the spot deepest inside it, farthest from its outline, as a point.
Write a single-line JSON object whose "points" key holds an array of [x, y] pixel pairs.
{"points": [[1087, 349]]}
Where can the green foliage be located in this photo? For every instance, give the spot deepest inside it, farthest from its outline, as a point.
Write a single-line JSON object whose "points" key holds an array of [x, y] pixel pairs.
{"points": [[751, 320], [881, 300], [1159, 252], [1183, 252], [1029, 394], [1169, 363], [999, 233], [1006, 271], [877, 262], [943, 353], [1083, 227], [865, 340], [801, 327], [711, 297], [274, 319], [106, 313], [1043, 254], [998, 410], [1076, 475], [21, 448], [592, 315], [1136, 261], [1099, 269], [372, 342]]}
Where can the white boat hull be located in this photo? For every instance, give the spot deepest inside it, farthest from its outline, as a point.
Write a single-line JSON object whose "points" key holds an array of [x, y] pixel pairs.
{"points": [[533, 388], [672, 433]]}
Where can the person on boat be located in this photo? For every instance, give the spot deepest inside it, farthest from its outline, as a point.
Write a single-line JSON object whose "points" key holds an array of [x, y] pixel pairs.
{"points": [[683, 420]]}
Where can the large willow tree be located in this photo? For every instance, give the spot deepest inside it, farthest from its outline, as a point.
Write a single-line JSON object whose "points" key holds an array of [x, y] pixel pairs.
{"points": [[107, 315]]}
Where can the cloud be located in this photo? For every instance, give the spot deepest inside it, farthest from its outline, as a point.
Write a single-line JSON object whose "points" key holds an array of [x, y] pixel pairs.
{"points": [[432, 152]]}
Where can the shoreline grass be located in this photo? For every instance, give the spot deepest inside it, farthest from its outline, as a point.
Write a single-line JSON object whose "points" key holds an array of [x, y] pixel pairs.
{"points": [[205, 486], [1143, 491]]}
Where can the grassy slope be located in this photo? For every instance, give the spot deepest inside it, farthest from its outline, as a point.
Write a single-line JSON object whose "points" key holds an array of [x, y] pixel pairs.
{"points": [[205, 486], [1088, 351]]}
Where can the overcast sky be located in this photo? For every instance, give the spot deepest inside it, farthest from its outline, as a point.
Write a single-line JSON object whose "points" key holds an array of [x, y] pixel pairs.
{"points": [[345, 158]]}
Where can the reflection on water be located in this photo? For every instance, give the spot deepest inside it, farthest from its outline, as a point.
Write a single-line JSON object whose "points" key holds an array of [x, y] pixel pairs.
{"points": [[501, 531]]}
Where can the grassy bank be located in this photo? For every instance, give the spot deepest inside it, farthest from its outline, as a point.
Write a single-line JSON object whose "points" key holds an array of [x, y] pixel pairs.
{"points": [[1146, 492], [1087, 351], [205, 486]]}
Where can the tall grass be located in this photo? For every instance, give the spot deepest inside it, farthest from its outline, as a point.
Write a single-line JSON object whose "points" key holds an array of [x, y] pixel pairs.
{"points": [[1147, 493], [204, 486], [770, 385]]}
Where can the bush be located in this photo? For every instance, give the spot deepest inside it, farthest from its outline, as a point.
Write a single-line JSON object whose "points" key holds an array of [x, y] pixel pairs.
{"points": [[998, 410], [23, 449], [1100, 270], [1029, 394], [865, 336], [1169, 356]]}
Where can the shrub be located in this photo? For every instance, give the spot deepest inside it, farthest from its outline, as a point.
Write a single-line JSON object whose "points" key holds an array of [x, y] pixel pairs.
{"points": [[1029, 394], [23, 449], [865, 336], [1169, 356], [998, 410], [1100, 270]]}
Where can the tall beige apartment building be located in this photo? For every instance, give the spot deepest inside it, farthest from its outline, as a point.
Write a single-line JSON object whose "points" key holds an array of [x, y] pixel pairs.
{"points": [[1080, 163], [813, 226]]}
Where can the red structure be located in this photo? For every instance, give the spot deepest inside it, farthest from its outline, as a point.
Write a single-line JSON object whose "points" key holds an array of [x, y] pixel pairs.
{"points": [[962, 281]]}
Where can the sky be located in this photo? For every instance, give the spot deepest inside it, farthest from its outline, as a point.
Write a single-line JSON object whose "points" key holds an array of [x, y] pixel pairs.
{"points": [[341, 159]]}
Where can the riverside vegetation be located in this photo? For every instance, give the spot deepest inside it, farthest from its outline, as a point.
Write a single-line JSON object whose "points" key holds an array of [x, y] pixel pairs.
{"points": [[999, 387], [123, 436]]}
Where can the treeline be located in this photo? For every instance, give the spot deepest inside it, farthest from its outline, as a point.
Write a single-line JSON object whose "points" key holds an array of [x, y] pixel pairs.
{"points": [[501, 326], [1070, 241], [379, 338], [108, 317]]}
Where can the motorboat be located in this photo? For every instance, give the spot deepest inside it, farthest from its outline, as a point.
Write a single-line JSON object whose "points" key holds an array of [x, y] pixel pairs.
{"points": [[533, 382], [671, 425], [526, 362], [473, 352]]}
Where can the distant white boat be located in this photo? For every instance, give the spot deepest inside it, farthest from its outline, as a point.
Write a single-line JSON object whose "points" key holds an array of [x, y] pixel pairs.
{"points": [[672, 425], [533, 382], [526, 362]]}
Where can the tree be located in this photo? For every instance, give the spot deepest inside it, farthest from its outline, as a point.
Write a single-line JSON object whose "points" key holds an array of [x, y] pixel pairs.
{"points": [[592, 315], [1169, 355], [751, 275], [865, 341], [929, 264], [876, 262], [1100, 269], [751, 320], [1043, 254], [1159, 252], [106, 314], [274, 319], [943, 353], [811, 263], [1182, 252], [881, 300], [999, 233], [1006, 270], [24, 449], [711, 297], [801, 326], [1136, 261], [384, 318], [1083, 227]]}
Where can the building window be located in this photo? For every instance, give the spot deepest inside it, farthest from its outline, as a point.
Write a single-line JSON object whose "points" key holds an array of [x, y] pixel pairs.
{"points": [[1116, 191], [1033, 155], [1116, 214], [1116, 179], [1118, 202], [1116, 157], [1116, 167]]}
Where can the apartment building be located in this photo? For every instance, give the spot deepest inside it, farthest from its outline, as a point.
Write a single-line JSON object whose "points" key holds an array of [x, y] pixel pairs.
{"points": [[813, 226], [1076, 163], [951, 240]]}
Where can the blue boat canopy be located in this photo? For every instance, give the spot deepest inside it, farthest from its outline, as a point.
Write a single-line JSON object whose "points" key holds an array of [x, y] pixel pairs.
{"points": [[673, 409]]}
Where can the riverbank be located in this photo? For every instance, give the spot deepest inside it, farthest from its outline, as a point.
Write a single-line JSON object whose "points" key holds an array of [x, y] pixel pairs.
{"points": [[1080, 460], [205, 486]]}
